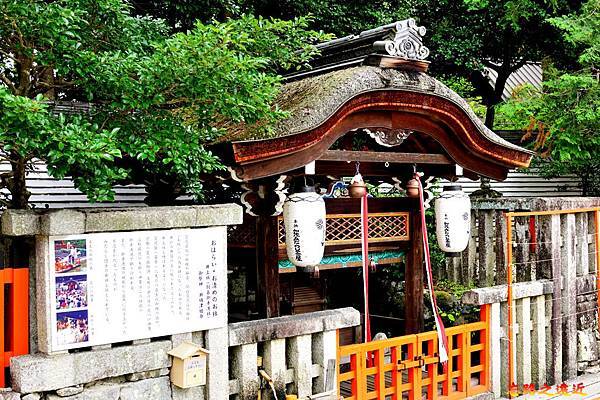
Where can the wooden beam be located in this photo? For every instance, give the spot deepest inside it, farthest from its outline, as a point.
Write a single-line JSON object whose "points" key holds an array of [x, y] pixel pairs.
{"points": [[413, 278], [373, 170], [391, 157], [267, 268]]}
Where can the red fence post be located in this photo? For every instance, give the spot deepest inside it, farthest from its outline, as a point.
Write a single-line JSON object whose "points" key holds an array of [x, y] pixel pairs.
{"points": [[14, 324]]}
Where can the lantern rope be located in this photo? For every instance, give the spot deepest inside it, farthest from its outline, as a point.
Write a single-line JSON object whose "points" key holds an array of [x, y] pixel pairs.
{"points": [[439, 324], [364, 222]]}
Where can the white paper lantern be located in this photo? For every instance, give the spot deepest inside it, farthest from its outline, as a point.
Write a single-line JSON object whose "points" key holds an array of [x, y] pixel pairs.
{"points": [[453, 219], [304, 218]]}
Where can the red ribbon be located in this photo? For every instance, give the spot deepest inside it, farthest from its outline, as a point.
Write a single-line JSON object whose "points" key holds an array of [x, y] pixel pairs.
{"points": [[439, 324]]}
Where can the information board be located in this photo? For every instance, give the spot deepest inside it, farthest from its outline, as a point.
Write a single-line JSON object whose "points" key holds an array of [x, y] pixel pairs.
{"points": [[115, 287]]}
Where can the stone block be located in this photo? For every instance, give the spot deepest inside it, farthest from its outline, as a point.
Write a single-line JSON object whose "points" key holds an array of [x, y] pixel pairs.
{"points": [[220, 214], [70, 391], [138, 376], [20, 223], [42, 373], [243, 365], [193, 393], [147, 389], [101, 391], [180, 338], [62, 222], [10, 395], [139, 219], [217, 380], [586, 284], [293, 325], [32, 396], [587, 347], [299, 354], [497, 294], [144, 218], [482, 396]]}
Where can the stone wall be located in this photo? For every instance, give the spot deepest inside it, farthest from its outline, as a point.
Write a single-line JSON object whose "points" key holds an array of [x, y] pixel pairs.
{"points": [[588, 357], [297, 350], [550, 346], [483, 262], [127, 371]]}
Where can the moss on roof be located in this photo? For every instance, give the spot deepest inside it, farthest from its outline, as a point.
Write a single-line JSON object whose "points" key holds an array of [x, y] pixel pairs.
{"points": [[311, 101]]}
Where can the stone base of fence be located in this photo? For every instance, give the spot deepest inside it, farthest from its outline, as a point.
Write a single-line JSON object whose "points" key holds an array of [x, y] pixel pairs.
{"points": [[299, 352], [548, 348], [296, 352]]}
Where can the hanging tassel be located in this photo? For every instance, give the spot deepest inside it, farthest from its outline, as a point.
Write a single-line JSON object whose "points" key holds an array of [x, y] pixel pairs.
{"points": [[439, 324], [364, 222], [316, 272]]}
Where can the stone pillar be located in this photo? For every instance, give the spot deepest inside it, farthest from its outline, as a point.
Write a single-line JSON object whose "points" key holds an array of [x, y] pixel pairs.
{"points": [[556, 354], [274, 363], [300, 356], [538, 341], [324, 350], [523, 346], [569, 298], [495, 350], [245, 369]]}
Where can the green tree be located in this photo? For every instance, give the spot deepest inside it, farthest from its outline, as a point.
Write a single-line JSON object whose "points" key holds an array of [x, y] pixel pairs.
{"points": [[464, 36], [340, 17], [156, 99], [468, 35], [564, 117], [40, 44]]}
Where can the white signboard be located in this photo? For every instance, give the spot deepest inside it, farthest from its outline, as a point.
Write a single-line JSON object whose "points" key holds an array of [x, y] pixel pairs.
{"points": [[115, 287]]}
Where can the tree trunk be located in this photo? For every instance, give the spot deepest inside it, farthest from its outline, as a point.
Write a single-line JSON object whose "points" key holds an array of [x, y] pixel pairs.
{"points": [[17, 184], [161, 193], [490, 114]]}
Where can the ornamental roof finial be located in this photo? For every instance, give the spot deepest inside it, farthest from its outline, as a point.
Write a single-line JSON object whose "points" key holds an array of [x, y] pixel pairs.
{"points": [[405, 41]]}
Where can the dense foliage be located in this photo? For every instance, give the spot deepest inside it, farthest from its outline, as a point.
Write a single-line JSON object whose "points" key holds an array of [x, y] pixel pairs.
{"points": [[468, 35], [338, 17], [564, 116], [464, 36], [157, 98]]}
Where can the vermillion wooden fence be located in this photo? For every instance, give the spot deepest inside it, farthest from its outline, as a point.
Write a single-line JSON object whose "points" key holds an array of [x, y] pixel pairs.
{"points": [[408, 366], [14, 324]]}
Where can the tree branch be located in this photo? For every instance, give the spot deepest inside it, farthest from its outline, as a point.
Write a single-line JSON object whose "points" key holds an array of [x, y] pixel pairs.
{"points": [[491, 65], [8, 55], [8, 83], [518, 64]]}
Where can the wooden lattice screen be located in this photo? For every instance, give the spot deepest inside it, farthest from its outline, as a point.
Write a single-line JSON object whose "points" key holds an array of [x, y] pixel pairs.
{"points": [[243, 235], [345, 228]]}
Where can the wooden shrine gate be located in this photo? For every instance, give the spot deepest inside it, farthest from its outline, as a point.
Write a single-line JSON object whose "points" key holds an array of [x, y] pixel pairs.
{"points": [[408, 367]]}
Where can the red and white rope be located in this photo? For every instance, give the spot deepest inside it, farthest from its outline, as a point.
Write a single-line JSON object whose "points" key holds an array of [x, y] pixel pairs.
{"points": [[439, 324]]}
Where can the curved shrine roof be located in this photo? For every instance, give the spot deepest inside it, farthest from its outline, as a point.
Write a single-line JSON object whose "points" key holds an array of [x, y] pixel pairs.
{"points": [[324, 107]]}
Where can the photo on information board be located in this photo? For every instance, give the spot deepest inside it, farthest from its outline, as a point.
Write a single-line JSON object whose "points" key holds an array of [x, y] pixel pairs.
{"points": [[71, 292], [70, 256], [72, 327]]}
